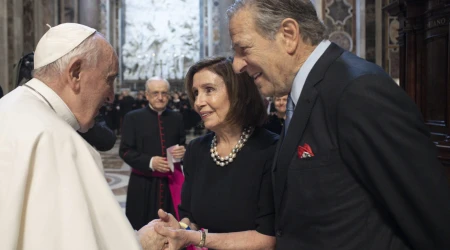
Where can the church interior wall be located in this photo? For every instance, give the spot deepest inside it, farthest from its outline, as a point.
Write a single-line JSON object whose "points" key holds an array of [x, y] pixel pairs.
{"points": [[358, 25]]}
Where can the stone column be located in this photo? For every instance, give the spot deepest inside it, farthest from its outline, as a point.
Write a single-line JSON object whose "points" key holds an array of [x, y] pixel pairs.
{"points": [[89, 13], [17, 31], [4, 70], [45, 12], [225, 40], [11, 41]]}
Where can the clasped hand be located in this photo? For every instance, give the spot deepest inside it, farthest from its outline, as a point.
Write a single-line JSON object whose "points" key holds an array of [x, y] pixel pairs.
{"points": [[164, 233]]}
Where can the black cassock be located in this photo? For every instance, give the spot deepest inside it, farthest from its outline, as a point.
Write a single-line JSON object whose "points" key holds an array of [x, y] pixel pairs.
{"points": [[146, 134]]}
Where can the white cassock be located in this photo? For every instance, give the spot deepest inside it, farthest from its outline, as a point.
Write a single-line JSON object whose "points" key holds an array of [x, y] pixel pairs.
{"points": [[53, 193]]}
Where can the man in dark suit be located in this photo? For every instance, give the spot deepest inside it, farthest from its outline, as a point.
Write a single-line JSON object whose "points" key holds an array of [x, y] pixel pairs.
{"points": [[355, 168]]}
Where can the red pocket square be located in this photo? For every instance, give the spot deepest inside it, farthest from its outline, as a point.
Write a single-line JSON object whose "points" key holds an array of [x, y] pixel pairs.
{"points": [[304, 151]]}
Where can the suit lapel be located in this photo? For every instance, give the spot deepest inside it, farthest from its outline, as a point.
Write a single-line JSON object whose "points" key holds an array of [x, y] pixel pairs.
{"points": [[274, 164], [293, 136], [288, 146]]}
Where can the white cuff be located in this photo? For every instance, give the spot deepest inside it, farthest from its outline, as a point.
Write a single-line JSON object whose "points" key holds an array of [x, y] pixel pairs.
{"points": [[138, 238], [150, 165]]}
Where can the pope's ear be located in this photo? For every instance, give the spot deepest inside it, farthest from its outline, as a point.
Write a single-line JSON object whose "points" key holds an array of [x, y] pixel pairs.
{"points": [[74, 69]]}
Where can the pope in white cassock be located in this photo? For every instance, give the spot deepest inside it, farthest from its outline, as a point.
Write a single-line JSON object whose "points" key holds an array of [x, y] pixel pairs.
{"points": [[53, 193]]}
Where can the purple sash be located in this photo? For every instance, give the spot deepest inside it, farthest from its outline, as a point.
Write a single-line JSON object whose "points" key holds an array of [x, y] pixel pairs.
{"points": [[175, 181]]}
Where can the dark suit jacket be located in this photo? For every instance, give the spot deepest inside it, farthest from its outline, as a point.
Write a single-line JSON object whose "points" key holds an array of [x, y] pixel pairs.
{"points": [[374, 182], [100, 136]]}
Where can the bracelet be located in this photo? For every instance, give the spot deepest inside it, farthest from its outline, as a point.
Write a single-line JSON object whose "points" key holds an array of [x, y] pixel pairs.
{"points": [[202, 239]]}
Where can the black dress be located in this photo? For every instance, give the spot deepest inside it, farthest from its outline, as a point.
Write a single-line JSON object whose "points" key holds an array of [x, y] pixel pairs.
{"points": [[233, 198]]}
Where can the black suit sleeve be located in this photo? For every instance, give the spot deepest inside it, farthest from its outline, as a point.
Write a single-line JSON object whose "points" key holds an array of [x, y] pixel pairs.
{"points": [[182, 132], [265, 218], [100, 136], [385, 142], [127, 150]]}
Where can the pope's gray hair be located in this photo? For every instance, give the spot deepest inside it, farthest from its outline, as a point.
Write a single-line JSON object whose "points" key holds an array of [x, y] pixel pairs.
{"points": [[88, 50], [268, 15]]}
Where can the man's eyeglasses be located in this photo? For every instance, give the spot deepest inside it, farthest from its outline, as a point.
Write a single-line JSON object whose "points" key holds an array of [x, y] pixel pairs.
{"points": [[156, 94]]}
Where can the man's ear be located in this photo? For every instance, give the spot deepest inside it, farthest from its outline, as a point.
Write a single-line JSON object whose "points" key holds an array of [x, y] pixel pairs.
{"points": [[290, 32], [74, 69]]}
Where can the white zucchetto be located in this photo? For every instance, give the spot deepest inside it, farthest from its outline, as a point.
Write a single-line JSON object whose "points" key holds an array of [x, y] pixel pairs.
{"points": [[58, 41]]}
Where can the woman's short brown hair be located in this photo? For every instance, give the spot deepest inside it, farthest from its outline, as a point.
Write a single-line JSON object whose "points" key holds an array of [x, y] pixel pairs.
{"points": [[246, 103]]}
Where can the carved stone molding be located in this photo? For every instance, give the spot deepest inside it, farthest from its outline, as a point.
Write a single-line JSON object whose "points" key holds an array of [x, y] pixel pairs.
{"points": [[161, 38], [340, 19]]}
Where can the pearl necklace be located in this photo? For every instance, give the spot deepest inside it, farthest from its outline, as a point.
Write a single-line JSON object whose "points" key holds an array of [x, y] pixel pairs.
{"points": [[223, 161]]}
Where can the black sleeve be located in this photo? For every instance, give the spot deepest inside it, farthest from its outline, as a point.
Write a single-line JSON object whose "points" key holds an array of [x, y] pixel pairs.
{"points": [[127, 150], [265, 219], [100, 136], [181, 130], [385, 142], [184, 209]]}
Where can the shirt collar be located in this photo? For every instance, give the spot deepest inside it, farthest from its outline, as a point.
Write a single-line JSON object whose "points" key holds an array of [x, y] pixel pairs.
{"points": [[302, 74], [159, 112], [56, 103]]}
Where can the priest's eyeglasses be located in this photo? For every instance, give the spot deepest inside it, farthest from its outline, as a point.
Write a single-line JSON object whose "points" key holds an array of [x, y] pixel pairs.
{"points": [[156, 94]]}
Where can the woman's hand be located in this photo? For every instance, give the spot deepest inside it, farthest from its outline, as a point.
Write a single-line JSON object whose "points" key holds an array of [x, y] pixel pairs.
{"points": [[168, 219]]}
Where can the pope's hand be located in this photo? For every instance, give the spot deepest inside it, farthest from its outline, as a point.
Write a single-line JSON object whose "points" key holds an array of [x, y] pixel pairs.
{"points": [[150, 239]]}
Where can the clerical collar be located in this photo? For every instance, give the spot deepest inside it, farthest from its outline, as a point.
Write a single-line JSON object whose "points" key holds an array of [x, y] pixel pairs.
{"points": [[159, 112], [53, 100]]}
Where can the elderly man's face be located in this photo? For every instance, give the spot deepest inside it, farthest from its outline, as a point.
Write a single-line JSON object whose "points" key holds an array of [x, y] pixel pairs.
{"points": [[98, 85], [158, 94], [262, 58]]}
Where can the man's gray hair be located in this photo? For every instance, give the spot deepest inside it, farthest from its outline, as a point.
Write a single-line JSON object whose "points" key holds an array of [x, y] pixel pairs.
{"points": [[268, 15], [87, 49], [156, 78]]}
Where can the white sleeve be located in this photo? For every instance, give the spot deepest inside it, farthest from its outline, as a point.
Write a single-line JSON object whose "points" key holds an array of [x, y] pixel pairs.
{"points": [[66, 196], [151, 166]]}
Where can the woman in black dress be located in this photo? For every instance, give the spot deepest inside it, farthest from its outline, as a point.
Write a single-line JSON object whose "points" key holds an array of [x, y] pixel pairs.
{"points": [[228, 187], [275, 122]]}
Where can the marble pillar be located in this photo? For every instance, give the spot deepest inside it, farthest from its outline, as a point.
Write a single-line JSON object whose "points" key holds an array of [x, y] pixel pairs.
{"points": [[225, 40], [28, 26], [45, 12], [371, 26], [360, 28], [104, 20], [4, 70], [13, 40], [89, 13], [17, 30]]}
